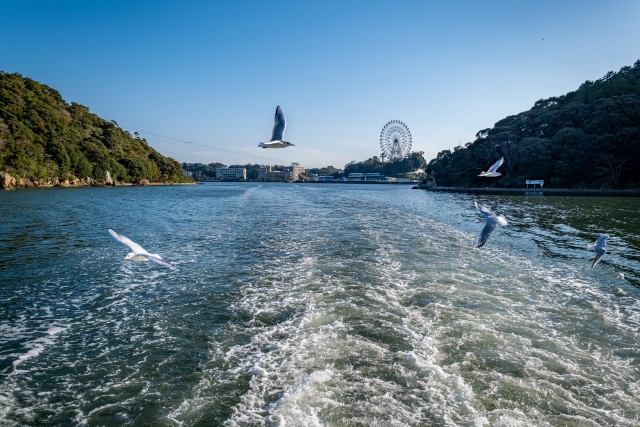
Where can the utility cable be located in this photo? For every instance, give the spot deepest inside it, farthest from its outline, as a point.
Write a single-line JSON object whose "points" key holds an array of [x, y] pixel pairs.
{"points": [[198, 144]]}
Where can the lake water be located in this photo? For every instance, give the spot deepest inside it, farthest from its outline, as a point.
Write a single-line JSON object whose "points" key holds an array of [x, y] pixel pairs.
{"points": [[327, 305]]}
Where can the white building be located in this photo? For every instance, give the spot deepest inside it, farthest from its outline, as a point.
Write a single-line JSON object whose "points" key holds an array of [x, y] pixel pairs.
{"points": [[263, 172], [296, 170], [289, 173], [231, 173]]}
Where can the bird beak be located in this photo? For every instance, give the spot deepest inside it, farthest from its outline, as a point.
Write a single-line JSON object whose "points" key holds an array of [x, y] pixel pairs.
{"points": [[124, 258]]}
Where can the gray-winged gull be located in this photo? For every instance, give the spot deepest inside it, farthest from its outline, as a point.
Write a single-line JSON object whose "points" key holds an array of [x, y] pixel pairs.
{"points": [[492, 220], [139, 254], [600, 247], [277, 134], [492, 170]]}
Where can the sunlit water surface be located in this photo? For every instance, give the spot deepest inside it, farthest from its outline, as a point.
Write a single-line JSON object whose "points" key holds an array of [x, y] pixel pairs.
{"points": [[328, 305]]}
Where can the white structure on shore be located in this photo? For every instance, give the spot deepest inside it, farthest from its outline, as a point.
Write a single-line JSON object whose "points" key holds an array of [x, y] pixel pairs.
{"points": [[295, 170], [289, 173], [231, 173], [263, 172]]}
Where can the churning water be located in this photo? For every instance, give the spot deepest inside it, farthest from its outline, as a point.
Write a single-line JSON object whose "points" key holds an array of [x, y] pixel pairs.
{"points": [[327, 305]]}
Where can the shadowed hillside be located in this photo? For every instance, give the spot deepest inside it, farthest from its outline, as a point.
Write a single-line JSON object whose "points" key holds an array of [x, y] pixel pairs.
{"points": [[589, 138], [43, 138]]}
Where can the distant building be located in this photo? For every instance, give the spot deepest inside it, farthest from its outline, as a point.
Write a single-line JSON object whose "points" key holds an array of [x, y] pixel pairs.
{"points": [[231, 173], [325, 178], [263, 171], [277, 176], [289, 173], [373, 176], [296, 170], [356, 176], [186, 173]]}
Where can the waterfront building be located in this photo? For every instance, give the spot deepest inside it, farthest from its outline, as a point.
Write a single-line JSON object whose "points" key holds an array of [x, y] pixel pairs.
{"points": [[188, 174], [295, 171], [277, 176], [373, 176], [288, 173], [263, 171], [356, 176], [325, 178], [231, 173]]}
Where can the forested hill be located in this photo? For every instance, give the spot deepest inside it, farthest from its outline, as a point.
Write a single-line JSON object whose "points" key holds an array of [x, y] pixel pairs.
{"points": [[43, 138], [589, 138]]}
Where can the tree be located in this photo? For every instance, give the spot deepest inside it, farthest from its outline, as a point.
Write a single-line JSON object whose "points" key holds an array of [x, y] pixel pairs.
{"points": [[575, 140], [42, 136], [611, 167]]}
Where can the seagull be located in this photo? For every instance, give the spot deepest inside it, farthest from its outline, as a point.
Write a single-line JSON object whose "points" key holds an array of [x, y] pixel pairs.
{"points": [[600, 247], [139, 254], [279, 125], [492, 170], [492, 220]]}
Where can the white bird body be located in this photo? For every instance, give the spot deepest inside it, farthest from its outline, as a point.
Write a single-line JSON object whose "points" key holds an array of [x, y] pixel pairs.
{"points": [[139, 254], [276, 144], [601, 248], [491, 173], [491, 222], [277, 134]]}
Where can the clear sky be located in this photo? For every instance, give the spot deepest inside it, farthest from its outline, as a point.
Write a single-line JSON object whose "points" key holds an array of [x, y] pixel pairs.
{"points": [[214, 72]]}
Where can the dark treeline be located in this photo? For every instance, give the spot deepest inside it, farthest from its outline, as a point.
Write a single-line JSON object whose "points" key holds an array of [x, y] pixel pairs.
{"points": [[42, 137], [202, 171], [589, 138], [326, 171], [413, 162]]}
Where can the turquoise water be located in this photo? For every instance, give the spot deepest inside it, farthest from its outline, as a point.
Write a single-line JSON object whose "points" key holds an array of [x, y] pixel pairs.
{"points": [[328, 305]]}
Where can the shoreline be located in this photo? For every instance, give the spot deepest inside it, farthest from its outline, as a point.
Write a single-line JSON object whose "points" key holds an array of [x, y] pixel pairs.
{"points": [[311, 182], [538, 192], [124, 184]]}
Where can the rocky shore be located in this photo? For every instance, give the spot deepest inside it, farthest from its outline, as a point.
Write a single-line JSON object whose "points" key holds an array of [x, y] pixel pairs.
{"points": [[8, 182]]}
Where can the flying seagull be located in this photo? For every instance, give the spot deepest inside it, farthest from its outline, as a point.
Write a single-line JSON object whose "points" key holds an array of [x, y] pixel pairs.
{"points": [[492, 220], [139, 254], [492, 170], [279, 125], [600, 247]]}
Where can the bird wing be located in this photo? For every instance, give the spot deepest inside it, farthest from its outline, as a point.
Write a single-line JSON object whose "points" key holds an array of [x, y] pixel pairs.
{"points": [[483, 210], [496, 165], [160, 261], [599, 253], [136, 248], [486, 232], [602, 240], [279, 125]]}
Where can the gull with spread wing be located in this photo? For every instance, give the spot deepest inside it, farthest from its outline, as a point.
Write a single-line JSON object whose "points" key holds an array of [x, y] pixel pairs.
{"points": [[492, 170], [277, 134], [139, 254], [491, 221], [601, 248]]}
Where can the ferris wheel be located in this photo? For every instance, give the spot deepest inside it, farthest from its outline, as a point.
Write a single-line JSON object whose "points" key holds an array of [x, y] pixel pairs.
{"points": [[395, 140]]}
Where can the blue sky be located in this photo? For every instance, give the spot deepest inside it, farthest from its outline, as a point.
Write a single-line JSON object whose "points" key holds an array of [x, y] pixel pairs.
{"points": [[213, 72]]}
